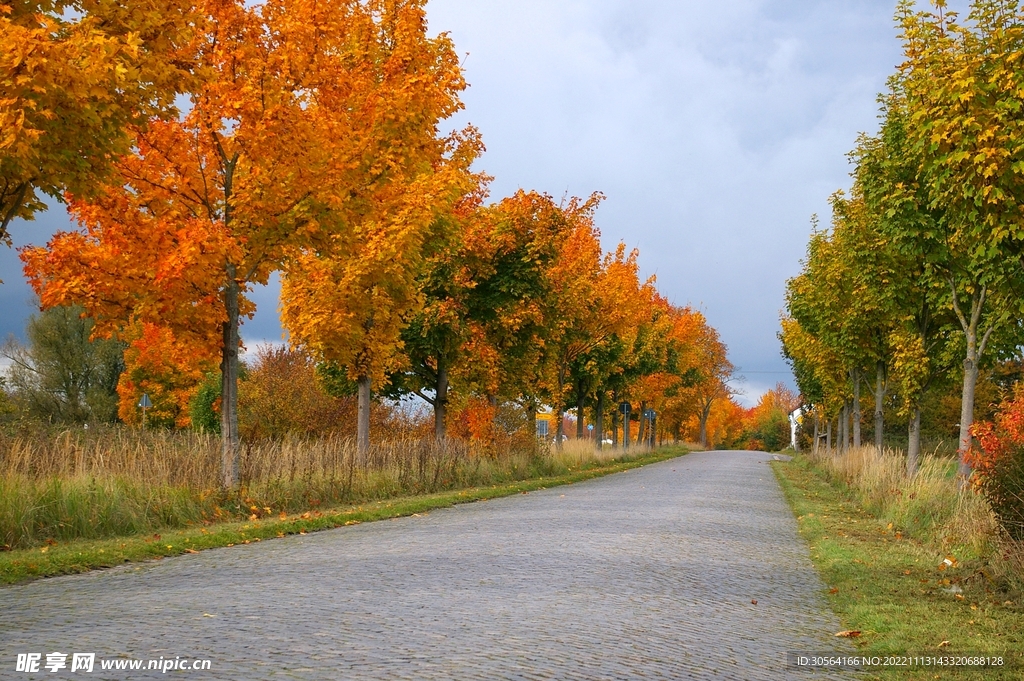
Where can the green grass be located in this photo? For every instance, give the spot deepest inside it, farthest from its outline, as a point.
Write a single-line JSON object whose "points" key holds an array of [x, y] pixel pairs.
{"points": [[88, 554], [889, 586]]}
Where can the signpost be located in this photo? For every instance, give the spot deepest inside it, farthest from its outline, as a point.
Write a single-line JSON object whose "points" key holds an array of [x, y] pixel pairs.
{"points": [[651, 417], [145, 404]]}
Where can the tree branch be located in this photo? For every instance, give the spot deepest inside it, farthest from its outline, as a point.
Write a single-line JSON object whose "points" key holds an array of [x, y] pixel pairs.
{"points": [[419, 393]]}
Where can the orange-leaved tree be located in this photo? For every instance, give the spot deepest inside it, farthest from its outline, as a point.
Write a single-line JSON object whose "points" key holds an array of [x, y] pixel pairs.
{"points": [[74, 76], [300, 108], [165, 368]]}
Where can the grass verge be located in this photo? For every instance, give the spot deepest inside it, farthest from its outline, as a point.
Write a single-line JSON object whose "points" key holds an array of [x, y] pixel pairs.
{"points": [[897, 591], [82, 555]]}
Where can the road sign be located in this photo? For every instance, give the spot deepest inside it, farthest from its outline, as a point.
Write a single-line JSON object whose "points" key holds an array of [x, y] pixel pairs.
{"points": [[145, 403], [624, 407]]}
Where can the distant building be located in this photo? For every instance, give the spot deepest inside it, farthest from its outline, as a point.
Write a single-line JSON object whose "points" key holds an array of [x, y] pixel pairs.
{"points": [[795, 419]]}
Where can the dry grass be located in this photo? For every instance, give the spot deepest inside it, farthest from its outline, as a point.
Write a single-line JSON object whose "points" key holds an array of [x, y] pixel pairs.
{"points": [[56, 486], [927, 505]]}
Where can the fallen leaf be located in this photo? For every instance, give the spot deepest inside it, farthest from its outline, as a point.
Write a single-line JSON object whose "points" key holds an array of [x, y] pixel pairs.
{"points": [[253, 517], [283, 516], [906, 572], [306, 515], [206, 614], [753, 601], [833, 590], [943, 644], [848, 634], [191, 551]]}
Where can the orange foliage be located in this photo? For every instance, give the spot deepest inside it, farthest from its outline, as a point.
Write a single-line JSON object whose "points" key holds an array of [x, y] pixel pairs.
{"points": [[475, 421], [163, 367]]}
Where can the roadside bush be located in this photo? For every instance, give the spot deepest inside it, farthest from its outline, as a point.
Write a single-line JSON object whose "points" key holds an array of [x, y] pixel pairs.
{"points": [[204, 410], [999, 464]]}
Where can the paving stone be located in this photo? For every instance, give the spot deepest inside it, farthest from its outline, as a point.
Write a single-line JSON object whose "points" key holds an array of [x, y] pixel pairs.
{"points": [[648, 574]]}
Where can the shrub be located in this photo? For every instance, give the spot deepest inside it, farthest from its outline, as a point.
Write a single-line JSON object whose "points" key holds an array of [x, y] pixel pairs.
{"points": [[204, 410], [999, 463]]}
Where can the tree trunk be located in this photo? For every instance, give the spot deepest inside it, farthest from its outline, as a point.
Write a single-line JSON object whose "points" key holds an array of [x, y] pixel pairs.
{"points": [[914, 441], [579, 411], [642, 439], [975, 350], [599, 420], [615, 427], [856, 407], [828, 437], [559, 430], [879, 406], [817, 424], [705, 413], [363, 420], [229, 384], [440, 402], [626, 419], [844, 423], [967, 409]]}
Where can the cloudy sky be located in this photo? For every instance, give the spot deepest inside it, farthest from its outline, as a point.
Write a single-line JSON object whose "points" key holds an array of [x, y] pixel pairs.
{"points": [[715, 129]]}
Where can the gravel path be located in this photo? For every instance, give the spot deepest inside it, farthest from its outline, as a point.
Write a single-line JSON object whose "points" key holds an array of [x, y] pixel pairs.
{"points": [[648, 574]]}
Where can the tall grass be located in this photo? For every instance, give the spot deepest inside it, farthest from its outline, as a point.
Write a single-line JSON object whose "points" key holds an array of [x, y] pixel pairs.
{"points": [[57, 486], [927, 506]]}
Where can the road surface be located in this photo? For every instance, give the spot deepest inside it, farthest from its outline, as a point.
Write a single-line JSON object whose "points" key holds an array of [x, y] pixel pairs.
{"points": [[647, 574]]}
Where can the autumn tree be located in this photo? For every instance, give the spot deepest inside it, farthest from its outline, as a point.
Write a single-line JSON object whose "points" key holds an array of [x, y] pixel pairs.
{"points": [[75, 78], [713, 373], [962, 83], [300, 110], [886, 176], [517, 305]]}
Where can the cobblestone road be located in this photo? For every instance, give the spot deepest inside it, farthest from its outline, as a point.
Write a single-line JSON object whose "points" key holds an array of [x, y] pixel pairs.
{"points": [[648, 574]]}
